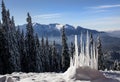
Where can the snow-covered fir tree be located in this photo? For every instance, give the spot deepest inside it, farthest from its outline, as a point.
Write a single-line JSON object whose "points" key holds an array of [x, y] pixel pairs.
{"points": [[42, 48], [30, 45], [55, 59], [47, 62], [23, 55], [39, 64], [50, 58], [65, 52], [101, 65], [2, 49], [12, 56], [72, 49]]}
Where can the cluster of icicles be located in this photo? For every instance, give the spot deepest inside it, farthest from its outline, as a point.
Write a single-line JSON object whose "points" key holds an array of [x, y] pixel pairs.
{"points": [[88, 56]]}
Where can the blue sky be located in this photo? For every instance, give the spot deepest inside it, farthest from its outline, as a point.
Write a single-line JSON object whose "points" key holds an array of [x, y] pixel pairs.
{"points": [[103, 15]]}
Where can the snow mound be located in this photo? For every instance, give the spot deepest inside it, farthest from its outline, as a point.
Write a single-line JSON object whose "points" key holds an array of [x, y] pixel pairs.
{"points": [[83, 73], [86, 74]]}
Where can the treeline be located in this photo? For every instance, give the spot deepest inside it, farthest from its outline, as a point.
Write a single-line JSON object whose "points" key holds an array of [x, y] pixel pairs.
{"points": [[24, 52]]}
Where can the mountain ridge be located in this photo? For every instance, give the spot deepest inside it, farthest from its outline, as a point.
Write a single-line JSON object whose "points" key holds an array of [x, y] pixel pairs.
{"points": [[54, 29]]}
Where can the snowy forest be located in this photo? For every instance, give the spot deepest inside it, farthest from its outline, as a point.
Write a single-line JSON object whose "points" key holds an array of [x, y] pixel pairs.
{"points": [[25, 52]]}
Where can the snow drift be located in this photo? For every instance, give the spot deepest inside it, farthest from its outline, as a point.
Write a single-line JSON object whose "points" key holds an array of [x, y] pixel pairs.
{"points": [[86, 74]]}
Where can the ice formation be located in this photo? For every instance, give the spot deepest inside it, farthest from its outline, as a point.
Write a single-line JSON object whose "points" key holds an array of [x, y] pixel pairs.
{"points": [[88, 56], [84, 65]]}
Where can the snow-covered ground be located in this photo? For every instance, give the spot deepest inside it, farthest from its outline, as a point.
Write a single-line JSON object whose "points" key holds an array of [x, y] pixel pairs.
{"points": [[55, 77], [112, 74]]}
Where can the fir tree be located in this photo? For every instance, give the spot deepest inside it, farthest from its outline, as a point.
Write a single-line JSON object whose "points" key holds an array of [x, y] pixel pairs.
{"points": [[65, 52], [55, 63], [43, 55], [4, 17], [30, 45], [91, 45], [1, 49], [23, 54], [11, 50], [72, 50], [50, 58], [39, 66], [18, 37], [100, 55], [91, 39], [47, 62]]}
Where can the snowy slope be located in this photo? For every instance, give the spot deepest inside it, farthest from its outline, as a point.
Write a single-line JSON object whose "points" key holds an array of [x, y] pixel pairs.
{"points": [[56, 77]]}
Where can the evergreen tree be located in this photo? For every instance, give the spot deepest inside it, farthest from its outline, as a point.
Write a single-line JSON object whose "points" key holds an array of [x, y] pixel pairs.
{"points": [[91, 39], [55, 64], [65, 52], [50, 58], [72, 49], [47, 62], [1, 49], [101, 65], [11, 50], [18, 37], [43, 55], [3, 40], [13, 24], [4, 17], [91, 45], [39, 66], [23, 54], [30, 45]]}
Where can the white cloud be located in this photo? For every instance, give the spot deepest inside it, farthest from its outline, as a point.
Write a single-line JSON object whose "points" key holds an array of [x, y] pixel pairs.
{"points": [[48, 16], [103, 24], [105, 6], [100, 11]]}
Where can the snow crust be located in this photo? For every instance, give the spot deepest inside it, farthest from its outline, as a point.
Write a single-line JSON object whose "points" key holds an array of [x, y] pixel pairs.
{"points": [[58, 77]]}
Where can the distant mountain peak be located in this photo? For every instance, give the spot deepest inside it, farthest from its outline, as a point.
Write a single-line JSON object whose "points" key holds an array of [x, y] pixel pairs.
{"points": [[53, 29], [59, 26], [35, 24]]}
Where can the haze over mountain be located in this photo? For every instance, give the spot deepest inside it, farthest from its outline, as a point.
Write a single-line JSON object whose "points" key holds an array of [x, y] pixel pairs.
{"points": [[114, 33]]}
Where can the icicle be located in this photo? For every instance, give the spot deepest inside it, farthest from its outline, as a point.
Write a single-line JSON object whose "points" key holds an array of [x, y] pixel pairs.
{"points": [[76, 52], [94, 56], [83, 54], [87, 51], [82, 51]]}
